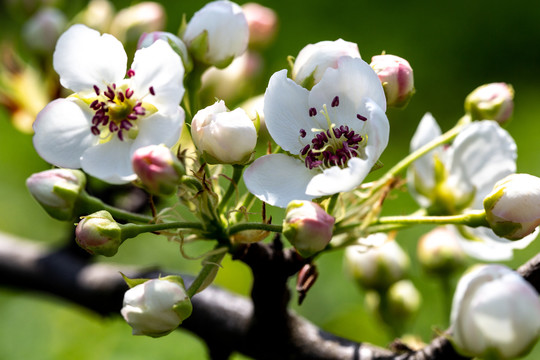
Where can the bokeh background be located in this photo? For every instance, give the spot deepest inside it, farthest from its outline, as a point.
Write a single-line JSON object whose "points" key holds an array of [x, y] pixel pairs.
{"points": [[452, 46]]}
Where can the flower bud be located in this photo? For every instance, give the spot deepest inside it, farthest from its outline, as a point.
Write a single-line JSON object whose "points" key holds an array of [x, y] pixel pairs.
{"points": [[57, 191], [42, 30], [222, 136], [493, 101], [439, 252], [262, 23], [379, 265], [131, 22], [99, 234], [403, 300], [307, 227], [396, 76], [314, 59], [156, 307], [97, 15], [158, 169], [174, 41], [495, 314], [217, 33], [513, 206]]}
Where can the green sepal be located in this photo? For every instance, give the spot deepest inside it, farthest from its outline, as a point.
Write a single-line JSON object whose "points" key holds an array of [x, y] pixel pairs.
{"points": [[199, 46], [184, 55], [183, 26], [309, 81], [133, 282]]}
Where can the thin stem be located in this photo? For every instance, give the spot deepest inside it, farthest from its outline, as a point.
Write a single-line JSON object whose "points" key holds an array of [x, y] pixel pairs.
{"points": [[474, 218], [132, 230], [207, 273], [90, 204], [254, 226], [237, 174]]}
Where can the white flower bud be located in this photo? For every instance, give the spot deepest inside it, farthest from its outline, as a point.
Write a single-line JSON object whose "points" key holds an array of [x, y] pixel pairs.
{"points": [[217, 33], [222, 136], [57, 191], [262, 22], [404, 300], [378, 266], [496, 313], [99, 234], [156, 307], [131, 22], [439, 252], [42, 30], [513, 206], [396, 75], [174, 42], [307, 227], [97, 15], [493, 101], [314, 59]]}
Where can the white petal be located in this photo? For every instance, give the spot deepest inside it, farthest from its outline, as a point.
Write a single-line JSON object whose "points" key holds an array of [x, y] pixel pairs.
{"points": [[158, 66], [335, 179], [110, 161], [160, 128], [486, 153], [265, 179], [353, 81], [286, 112], [84, 58], [62, 132]]}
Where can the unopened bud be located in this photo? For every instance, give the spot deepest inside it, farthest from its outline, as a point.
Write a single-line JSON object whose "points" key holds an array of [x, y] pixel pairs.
{"points": [[158, 169], [262, 22], [513, 206], [396, 75], [307, 227], [156, 307], [493, 101], [314, 59], [43, 29], [131, 22], [439, 252], [217, 33], [97, 15], [222, 136], [99, 234], [57, 191], [403, 300]]}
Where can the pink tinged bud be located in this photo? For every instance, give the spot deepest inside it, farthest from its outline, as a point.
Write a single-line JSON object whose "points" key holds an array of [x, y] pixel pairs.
{"points": [[397, 78], [377, 263], [57, 191], [513, 206], [158, 169], [493, 101], [262, 22], [314, 59], [43, 29], [156, 307], [439, 252], [495, 314], [217, 33], [222, 136], [99, 234], [307, 227]]}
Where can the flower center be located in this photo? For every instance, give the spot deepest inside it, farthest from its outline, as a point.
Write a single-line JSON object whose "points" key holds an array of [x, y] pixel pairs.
{"points": [[334, 146], [116, 111]]}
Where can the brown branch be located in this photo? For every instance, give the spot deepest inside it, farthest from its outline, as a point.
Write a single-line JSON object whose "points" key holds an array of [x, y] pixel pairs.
{"points": [[223, 320]]}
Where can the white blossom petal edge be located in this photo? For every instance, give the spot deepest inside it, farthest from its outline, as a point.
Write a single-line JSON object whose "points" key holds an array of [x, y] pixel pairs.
{"points": [[334, 134], [109, 116]]}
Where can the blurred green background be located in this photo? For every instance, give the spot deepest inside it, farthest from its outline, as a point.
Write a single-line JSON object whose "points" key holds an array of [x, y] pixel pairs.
{"points": [[452, 46]]}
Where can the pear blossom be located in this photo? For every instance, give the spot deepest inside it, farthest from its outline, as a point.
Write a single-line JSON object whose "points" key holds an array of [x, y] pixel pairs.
{"points": [[333, 134], [99, 127], [452, 179]]}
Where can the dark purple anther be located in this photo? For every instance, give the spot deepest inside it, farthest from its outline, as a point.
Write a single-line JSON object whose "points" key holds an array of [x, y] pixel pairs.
{"points": [[94, 105], [126, 125], [312, 112], [152, 91], [121, 96], [130, 73], [129, 93], [96, 89], [114, 86], [335, 101], [109, 93], [113, 127], [95, 130], [132, 116], [121, 135], [360, 117], [303, 133]]}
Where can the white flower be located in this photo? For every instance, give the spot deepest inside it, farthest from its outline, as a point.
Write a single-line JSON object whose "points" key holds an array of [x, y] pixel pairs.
{"points": [[313, 60], [451, 179], [495, 311], [100, 126], [223, 136], [334, 134], [217, 33]]}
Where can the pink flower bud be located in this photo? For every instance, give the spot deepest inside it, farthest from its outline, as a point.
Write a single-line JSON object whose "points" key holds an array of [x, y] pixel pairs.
{"points": [[99, 234], [396, 76], [156, 307], [495, 314], [262, 22], [307, 227], [158, 169], [513, 206], [57, 191], [493, 101]]}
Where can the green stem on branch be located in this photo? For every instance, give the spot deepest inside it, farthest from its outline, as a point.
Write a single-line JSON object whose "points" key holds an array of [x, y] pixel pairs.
{"points": [[132, 230], [254, 226], [233, 186], [90, 204], [208, 272], [473, 218]]}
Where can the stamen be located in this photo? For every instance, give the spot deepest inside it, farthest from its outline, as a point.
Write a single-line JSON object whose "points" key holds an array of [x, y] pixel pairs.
{"points": [[152, 91], [96, 89], [335, 101], [360, 117], [121, 96], [129, 93], [130, 73], [95, 130], [312, 112], [303, 133]]}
